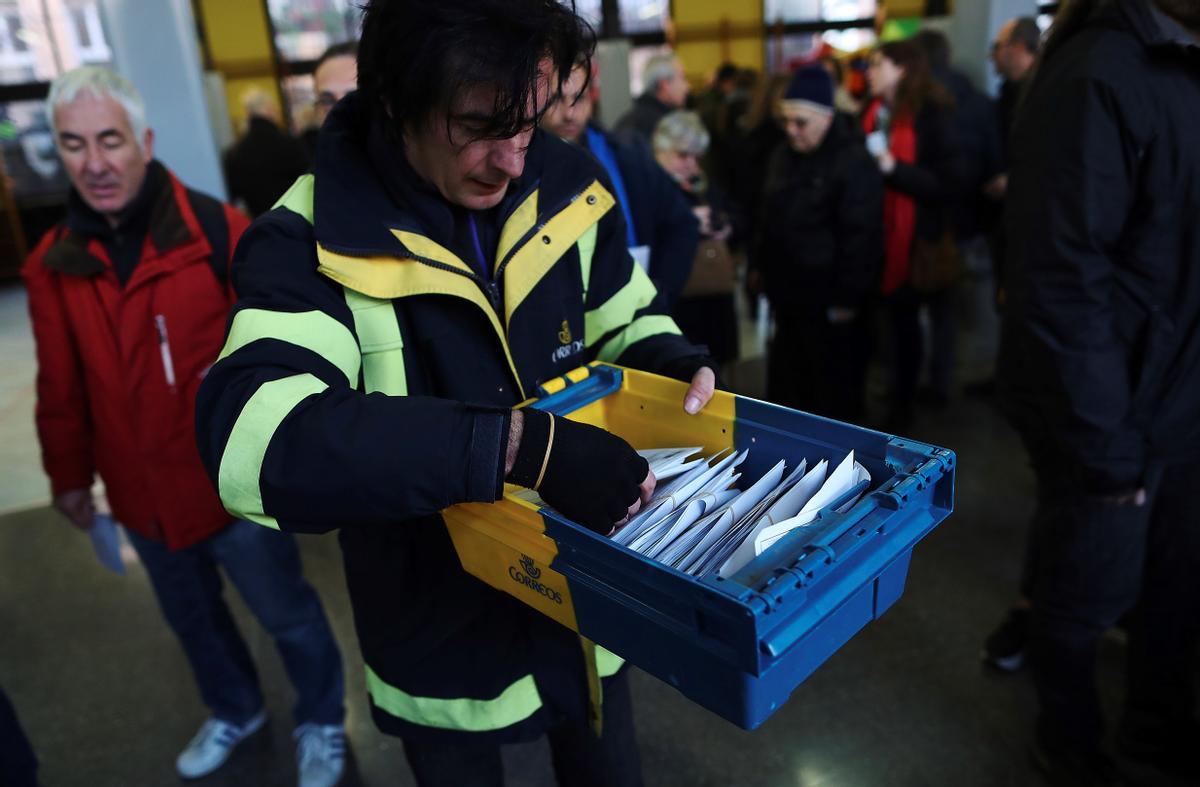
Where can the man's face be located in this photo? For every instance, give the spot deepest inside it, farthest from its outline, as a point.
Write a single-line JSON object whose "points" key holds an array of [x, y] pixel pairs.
{"points": [[674, 91], [683, 165], [467, 171], [1186, 11], [1002, 52], [569, 114], [103, 159], [806, 127], [336, 77]]}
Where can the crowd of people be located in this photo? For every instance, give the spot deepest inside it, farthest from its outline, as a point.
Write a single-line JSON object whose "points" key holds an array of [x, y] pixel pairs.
{"points": [[355, 358]]}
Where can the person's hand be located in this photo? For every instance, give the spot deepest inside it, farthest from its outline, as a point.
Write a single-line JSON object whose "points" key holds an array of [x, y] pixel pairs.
{"points": [[587, 474], [1132, 497], [997, 187], [887, 162], [840, 315], [77, 506], [704, 383]]}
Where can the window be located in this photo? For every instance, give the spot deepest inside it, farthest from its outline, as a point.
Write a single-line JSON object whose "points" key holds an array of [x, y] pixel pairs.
{"points": [[784, 51], [304, 29], [643, 16], [28, 149], [818, 10], [39, 41]]}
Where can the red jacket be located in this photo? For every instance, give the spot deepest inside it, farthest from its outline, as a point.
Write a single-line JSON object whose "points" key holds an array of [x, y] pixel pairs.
{"points": [[118, 367]]}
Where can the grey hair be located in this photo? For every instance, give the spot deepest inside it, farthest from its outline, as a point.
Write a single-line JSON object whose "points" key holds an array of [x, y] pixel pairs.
{"points": [[681, 130], [101, 83], [659, 68]]}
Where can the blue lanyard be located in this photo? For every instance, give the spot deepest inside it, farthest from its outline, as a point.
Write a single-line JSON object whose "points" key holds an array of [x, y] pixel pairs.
{"points": [[601, 150], [483, 266]]}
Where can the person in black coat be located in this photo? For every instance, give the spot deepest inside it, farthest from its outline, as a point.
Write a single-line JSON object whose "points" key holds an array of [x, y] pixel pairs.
{"points": [[662, 232], [1100, 372], [910, 128], [266, 161], [818, 252], [666, 89]]}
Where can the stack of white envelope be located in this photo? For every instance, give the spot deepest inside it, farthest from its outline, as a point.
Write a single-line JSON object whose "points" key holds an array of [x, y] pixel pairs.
{"points": [[698, 522]]}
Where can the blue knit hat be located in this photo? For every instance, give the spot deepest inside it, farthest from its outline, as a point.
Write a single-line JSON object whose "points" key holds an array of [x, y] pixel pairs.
{"points": [[811, 87]]}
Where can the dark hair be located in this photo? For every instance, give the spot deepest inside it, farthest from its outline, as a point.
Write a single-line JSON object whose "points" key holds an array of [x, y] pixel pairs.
{"points": [[344, 49], [727, 71], [1026, 33], [416, 57], [917, 86], [936, 46]]}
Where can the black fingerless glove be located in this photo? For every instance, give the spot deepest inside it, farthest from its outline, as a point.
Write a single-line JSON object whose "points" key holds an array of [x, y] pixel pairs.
{"points": [[587, 474]]}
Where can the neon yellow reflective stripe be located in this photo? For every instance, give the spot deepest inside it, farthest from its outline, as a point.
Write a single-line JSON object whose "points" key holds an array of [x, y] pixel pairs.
{"points": [[299, 198], [607, 662], [638, 293], [516, 703], [382, 346], [641, 328], [241, 464], [587, 250], [519, 223], [315, 331]]}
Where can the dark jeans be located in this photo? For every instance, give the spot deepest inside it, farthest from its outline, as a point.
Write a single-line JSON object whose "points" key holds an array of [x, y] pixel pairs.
{"points": [[580, 758], [264, 565], [1096, 560], [18, 765], [816, 366]]}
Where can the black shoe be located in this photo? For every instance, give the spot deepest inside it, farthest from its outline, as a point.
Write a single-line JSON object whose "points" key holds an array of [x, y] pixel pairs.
{"points": [[1172, 750], [1077, 768], [1004, 649]]}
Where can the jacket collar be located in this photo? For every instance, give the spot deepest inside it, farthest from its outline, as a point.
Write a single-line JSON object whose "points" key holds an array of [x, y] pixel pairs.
{"points": [[156, 211], [366, 192], [1155, 29]]}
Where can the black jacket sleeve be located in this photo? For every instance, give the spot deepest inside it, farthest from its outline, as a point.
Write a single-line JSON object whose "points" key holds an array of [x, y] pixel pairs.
{"points": [[1074, 182], [285, 431], [859, 231]]}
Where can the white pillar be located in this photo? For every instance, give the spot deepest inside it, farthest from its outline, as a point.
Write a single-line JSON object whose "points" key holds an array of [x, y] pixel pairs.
{"points": [[154, 45]]}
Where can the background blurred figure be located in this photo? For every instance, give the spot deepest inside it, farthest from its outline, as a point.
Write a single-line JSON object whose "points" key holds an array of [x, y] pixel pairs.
{"points": [[1014, 54], [129, 299], [1100, 372], [716, 108], [843, 99], [666, 89], [705, 313], [910, 129], [818, 253], [759, 134], [18, 764], [264, 163], [336, 75], [659, 225]]}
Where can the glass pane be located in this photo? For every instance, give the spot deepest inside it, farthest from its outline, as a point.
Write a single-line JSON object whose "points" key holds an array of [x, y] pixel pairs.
{"points": [[304, 29], [29, 155], [591, 11], [643, 16], [792, 50], [818, 10], [25, 51]]}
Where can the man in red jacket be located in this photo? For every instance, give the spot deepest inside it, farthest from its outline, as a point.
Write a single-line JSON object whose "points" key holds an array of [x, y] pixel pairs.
{"points": [[129, 298]]}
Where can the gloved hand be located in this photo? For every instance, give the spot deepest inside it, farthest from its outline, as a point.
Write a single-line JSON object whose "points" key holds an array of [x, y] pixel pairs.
{"points": [[587, 474]]}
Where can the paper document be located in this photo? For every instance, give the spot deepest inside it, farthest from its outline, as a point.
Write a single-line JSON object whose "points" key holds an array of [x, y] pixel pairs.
{"points": [[106, 542]]}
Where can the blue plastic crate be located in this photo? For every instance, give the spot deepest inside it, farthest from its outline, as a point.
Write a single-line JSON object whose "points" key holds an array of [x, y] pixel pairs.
{"points": [[737, 646]]}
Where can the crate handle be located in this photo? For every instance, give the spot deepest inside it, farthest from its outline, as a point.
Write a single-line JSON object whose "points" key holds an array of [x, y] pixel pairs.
{"points": [[578, 388]]}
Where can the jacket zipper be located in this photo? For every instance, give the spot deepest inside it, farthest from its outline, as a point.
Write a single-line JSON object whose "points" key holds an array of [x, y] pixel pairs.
{"points": [[535, 230], [164, 348]]}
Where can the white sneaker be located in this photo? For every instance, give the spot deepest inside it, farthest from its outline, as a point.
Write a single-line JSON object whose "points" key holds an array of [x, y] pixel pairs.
{"points": [[320, 754], [213, 744]]}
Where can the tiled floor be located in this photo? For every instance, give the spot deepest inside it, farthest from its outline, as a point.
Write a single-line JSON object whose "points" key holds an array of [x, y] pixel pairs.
{"points": [[106, 696]]}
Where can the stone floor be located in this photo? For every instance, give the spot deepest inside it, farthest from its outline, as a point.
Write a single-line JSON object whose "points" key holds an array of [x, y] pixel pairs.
{"points": [[107, 698]]}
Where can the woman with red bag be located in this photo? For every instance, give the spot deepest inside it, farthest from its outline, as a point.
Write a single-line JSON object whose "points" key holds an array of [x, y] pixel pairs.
{"points": [[910, 132]]}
